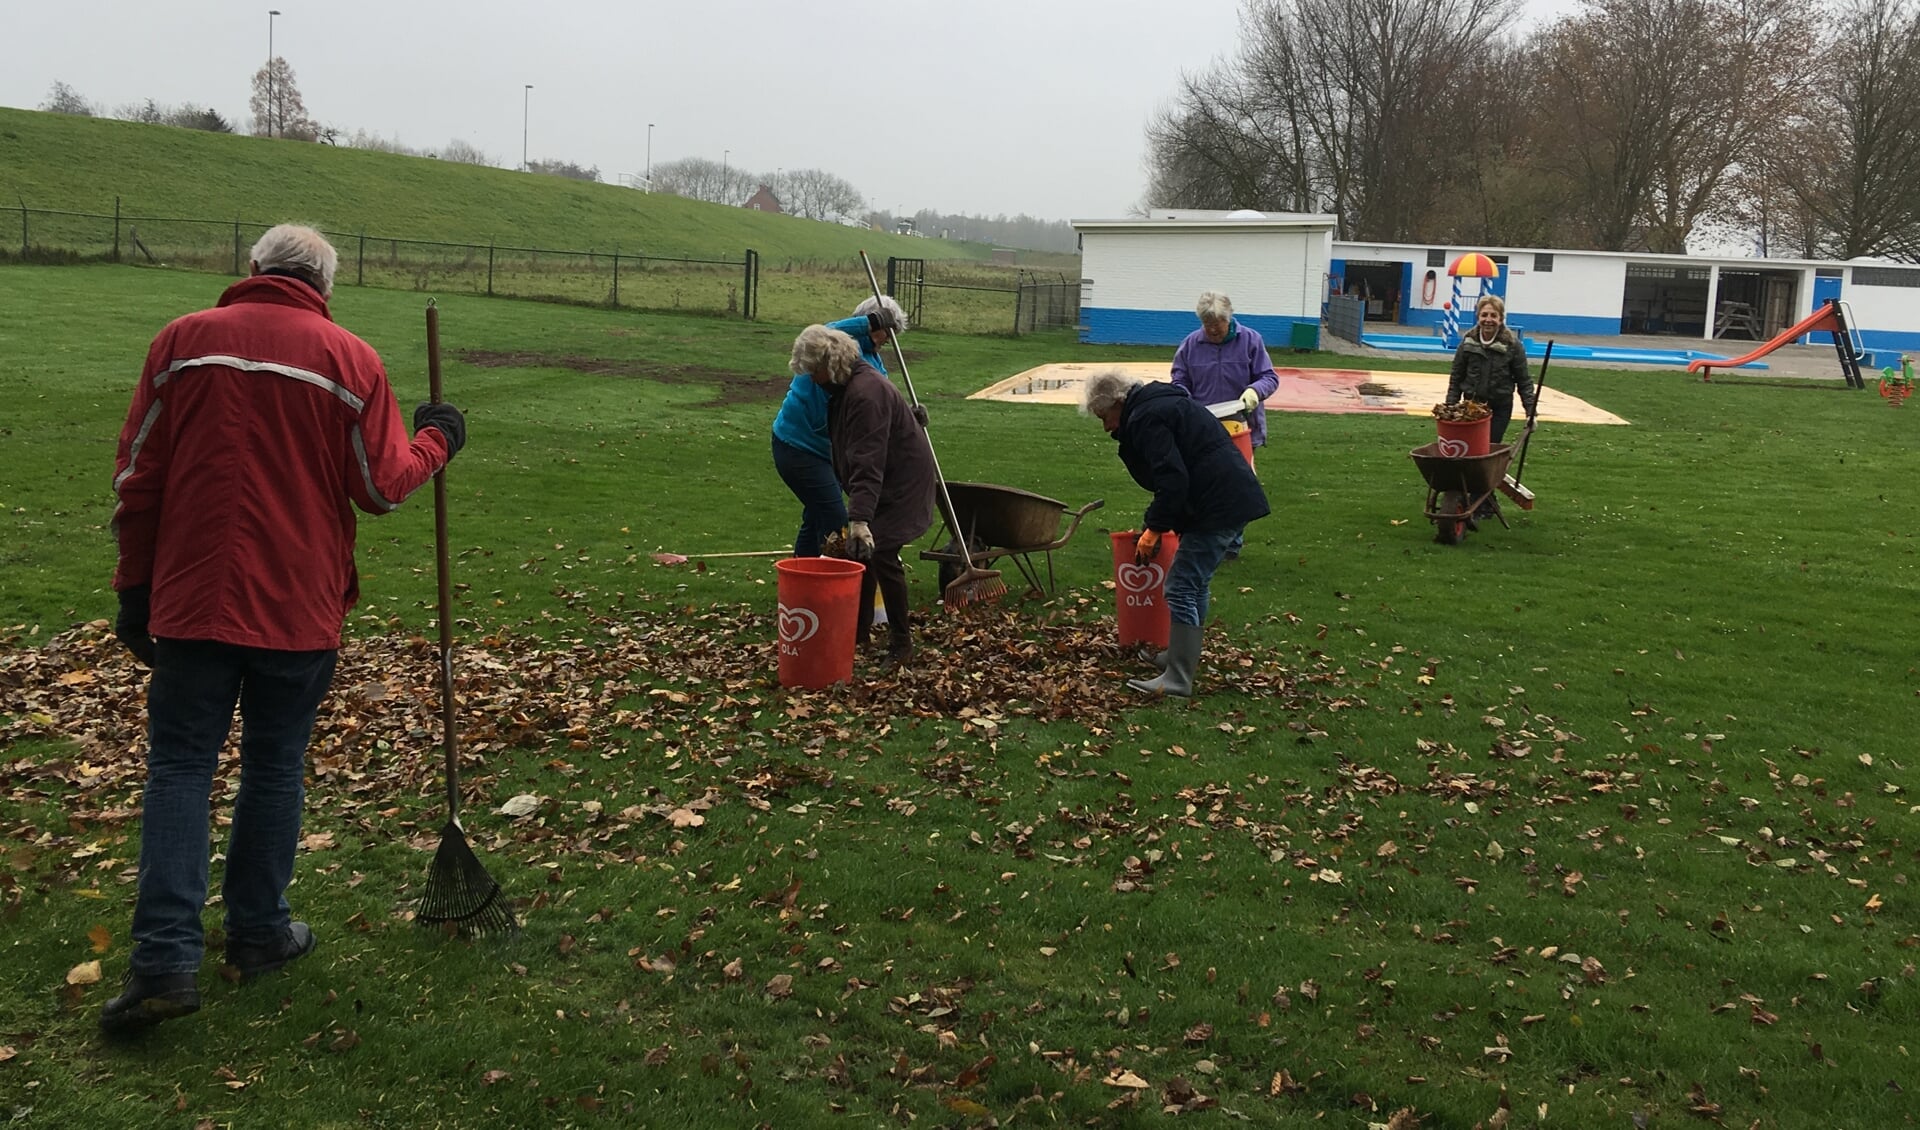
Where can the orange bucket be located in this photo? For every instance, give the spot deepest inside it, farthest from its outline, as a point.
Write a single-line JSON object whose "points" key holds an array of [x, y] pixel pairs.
{"points": [[819, 610], [1457, 439], [1139, 591], [1242, 437]]}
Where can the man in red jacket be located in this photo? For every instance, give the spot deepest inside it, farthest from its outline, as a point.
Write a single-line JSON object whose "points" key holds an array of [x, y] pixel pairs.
{"points": [[256, 428]]}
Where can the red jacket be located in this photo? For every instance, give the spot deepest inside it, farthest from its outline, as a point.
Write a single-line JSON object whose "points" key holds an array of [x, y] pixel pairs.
{"points": [[255, 425]]}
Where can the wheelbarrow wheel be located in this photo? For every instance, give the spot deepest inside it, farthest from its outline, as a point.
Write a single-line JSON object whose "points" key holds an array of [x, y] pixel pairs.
{"points": [[1451, 525], [950, 570]]}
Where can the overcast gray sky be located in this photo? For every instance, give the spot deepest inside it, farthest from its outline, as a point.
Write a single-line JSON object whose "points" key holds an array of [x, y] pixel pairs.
{"points": [[974, 106]]}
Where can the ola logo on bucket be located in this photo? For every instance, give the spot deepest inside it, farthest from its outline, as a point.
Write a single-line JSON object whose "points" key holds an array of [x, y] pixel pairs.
{"points": [[1451, 448], [797, 625], [1140, 578]]}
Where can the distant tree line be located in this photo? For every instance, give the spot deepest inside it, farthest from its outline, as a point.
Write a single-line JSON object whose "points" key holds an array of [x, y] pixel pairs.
{"points": [[1625, 125], [1021, 231]]}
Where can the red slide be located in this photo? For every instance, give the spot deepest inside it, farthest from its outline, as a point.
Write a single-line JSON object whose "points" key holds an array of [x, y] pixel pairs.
{"points": [[1826, 318]]}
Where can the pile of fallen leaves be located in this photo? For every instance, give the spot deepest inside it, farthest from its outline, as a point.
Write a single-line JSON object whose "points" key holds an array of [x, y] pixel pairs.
{"points": [[1461, 412], [700, 683]]}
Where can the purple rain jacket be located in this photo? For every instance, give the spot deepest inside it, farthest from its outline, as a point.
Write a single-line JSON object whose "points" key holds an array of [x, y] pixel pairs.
{"points": [[1213, 373]]}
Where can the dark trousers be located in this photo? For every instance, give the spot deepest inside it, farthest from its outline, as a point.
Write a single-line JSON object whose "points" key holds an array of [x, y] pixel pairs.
{"points": [[1502, 416], [811, 479], [888, 574], [190, 702]]}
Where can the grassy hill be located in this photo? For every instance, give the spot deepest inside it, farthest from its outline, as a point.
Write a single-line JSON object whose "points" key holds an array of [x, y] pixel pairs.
{"points": [[64, 163]]}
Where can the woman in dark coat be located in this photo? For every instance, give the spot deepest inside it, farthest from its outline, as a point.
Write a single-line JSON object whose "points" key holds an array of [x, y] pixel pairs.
{"points": [[1490, 364], [1202, 490], [882, 458]]}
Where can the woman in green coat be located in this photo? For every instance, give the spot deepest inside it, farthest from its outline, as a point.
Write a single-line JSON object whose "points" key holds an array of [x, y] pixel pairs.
{"points": [[1490, 365]]}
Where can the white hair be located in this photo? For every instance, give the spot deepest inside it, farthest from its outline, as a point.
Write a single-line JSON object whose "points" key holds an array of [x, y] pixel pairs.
{"points": [[299, 250], [1214, 307], [1105, 390], [884, 302], [825, 351]]}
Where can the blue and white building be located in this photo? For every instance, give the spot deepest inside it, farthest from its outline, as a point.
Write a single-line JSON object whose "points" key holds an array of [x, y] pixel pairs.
{"points": [[1140, 279]]}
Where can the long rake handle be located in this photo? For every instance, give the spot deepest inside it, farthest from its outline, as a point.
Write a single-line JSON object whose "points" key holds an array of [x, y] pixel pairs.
{"points": [[900, 357], [1539, 386], [443, 571]]}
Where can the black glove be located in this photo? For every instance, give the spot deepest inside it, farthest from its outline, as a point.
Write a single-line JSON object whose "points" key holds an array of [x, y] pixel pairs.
{"points": [[920, 414], [448, 420], [131, 626], [881, 321]]}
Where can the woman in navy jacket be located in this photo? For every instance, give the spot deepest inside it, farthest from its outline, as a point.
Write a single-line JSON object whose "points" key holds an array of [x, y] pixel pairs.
{"points": [[1202, 490]]}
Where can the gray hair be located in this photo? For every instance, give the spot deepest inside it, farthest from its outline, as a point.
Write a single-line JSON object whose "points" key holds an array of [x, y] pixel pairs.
{"points": [[827, 352], [1214, 307], [884, 302], [1106, 390], [299, 250]]}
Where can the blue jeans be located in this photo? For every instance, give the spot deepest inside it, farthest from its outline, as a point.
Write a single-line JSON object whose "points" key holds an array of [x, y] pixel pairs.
{"points": [[190, 703], [1199, 555], [822, 508]]}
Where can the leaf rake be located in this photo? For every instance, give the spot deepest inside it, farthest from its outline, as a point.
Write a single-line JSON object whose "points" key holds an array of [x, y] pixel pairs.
{"points": [[461, 897], [975, 583]]}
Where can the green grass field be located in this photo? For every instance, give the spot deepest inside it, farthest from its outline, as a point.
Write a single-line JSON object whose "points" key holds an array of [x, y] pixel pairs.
{"points": [[1605, 820]]}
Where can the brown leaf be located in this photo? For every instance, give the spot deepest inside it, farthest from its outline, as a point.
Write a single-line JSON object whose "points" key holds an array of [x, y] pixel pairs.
{"points": [[781, 987], [655, 1057], [347, 1041], [100, 938], [497, 1075], [85, 973]]}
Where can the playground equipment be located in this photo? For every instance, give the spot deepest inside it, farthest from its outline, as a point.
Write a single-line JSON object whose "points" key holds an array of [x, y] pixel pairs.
{"points": [[1834, 318], [1479, 268], [1897, 384]]}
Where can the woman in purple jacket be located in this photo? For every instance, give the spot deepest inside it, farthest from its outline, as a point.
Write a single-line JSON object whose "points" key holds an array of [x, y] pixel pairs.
{"points": [[1224, 360]]}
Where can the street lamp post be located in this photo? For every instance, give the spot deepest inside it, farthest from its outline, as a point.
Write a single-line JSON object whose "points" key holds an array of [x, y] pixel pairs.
{"points": [[526, 101], [649, 156], [271, 12]]}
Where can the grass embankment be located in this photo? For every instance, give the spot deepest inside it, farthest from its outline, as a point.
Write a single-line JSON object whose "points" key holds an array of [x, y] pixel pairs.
{"points": [[1611, 813], [199, 200]]}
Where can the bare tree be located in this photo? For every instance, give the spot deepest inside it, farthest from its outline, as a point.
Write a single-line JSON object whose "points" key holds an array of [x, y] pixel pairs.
{"points": [[567, 169], [1649, 106], [1329, 105], [462, 152], [64, 99], [818, 195], [278, 110], [1859, 184]]}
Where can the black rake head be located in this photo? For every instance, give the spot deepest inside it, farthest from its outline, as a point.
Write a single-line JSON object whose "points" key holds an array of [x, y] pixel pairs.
{"points": [[461, 897]]}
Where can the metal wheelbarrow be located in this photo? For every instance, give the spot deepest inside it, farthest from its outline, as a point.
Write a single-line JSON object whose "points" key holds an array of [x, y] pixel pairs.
{"points": [[1006, 522], [1458, 486]]}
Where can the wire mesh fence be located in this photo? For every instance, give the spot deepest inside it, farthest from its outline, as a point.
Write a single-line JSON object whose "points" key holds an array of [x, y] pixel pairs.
{"points": [[957, 296]]}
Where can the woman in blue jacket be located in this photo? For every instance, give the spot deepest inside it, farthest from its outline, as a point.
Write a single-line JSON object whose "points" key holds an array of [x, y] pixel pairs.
{"points": [[801, 453], [1202, 490]]}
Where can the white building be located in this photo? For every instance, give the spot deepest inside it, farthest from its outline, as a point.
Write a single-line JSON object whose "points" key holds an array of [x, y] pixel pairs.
{"points": [[1140, 278]]}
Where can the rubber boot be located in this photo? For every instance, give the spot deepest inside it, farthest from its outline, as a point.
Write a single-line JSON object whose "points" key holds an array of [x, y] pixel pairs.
{"points": [[1183, 658], [1160, 659]]}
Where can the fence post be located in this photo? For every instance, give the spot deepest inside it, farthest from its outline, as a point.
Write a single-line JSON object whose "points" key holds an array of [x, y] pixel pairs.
{"points": [[489, 268], [23, 228], [616, 275], [116, 229], [360, 267], [750, 283], [236, 246], [1019, 299]]}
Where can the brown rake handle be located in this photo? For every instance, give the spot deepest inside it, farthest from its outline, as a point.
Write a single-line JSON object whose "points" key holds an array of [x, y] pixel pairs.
{"points": [[893, 336], [443, 571]]}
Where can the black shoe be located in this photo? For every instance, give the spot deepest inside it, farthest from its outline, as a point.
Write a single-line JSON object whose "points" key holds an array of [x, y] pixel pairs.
{"points": [[146, 1001], [255, 958]]}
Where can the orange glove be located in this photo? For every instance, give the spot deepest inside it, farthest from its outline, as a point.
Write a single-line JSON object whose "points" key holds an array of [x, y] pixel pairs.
{"points": [[1146, 547]]}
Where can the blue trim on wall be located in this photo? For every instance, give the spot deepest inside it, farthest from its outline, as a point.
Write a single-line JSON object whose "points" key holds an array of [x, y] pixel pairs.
{"points": [[1890, 340], [1533, 325], [1107, 325]]}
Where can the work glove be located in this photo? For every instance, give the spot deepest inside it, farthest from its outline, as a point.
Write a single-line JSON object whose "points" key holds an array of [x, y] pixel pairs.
{"points": [[1250, 400], [1146, 547], [448, 420], [859, 541], [882, 321], [131, 625], [920, 414]]}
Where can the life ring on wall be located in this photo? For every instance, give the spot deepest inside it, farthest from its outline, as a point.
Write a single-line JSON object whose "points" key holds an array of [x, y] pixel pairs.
{"points": [[1427, 287]]}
